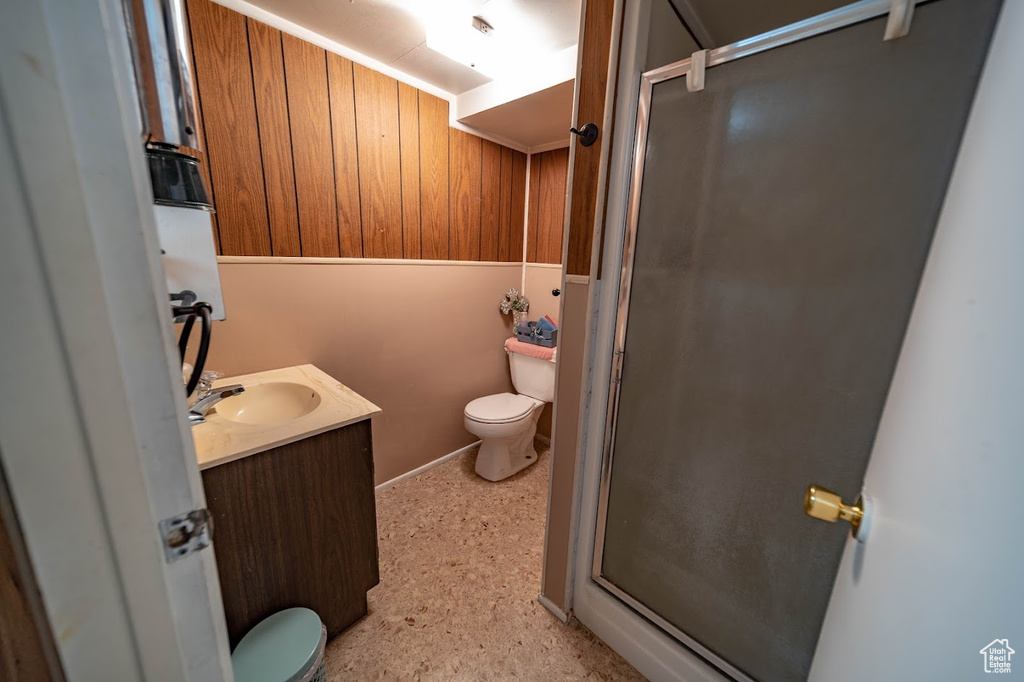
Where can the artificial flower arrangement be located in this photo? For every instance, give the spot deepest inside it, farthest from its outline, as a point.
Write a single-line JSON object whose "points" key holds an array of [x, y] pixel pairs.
{"points": [[514, 301], [516, 304]]}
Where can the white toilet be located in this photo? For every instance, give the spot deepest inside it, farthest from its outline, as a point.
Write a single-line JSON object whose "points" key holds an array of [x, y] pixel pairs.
{"points": [[507, 422]]}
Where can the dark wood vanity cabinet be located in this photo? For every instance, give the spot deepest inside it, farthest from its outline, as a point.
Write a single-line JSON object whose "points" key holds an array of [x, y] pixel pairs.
{"points": [[296, 526]]}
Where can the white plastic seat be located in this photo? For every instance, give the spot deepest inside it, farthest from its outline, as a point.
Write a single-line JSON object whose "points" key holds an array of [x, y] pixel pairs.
{"points": [[500, 408]]}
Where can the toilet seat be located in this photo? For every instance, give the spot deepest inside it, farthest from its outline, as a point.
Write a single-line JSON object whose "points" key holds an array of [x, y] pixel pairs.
{"points": [[501, 408]]}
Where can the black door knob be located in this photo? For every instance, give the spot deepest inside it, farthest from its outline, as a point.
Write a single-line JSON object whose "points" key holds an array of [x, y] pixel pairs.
{"points": [[587, 132], [556, 292]]}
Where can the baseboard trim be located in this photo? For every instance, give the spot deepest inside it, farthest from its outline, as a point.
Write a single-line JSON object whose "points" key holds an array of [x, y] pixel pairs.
{"points": [[542, 439], [426, 467], [550, 606]]}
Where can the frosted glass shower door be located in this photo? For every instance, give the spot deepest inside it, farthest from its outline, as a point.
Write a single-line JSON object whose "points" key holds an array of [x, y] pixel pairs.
{"points": [[785, 214]]}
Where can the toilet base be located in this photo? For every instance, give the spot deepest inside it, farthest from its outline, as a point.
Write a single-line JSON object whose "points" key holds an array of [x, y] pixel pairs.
{"points": [[500, 458]]}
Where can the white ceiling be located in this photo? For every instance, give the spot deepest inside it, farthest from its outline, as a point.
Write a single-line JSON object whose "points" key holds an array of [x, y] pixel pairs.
{"points": [[392, 31], [536, 120]]}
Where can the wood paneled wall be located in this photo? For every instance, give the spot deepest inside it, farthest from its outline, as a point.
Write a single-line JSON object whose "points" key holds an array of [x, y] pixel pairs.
{"points": [[27, 648], [598, 19], [309, 154], [548, 173], [230, 132]]}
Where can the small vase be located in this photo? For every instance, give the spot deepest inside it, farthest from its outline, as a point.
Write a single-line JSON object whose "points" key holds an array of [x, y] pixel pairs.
{"points": [[518, 318]]}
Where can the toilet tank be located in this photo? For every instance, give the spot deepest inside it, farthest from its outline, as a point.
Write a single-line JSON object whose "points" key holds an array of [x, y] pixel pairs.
{"points": [[532, 376]]}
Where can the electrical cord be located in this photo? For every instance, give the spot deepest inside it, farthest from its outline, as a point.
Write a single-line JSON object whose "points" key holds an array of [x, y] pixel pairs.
{"points": [[203, 311], [186, 331]]}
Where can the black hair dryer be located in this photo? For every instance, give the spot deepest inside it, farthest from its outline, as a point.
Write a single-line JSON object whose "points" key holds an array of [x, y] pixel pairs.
{"points": [[185, 308]]}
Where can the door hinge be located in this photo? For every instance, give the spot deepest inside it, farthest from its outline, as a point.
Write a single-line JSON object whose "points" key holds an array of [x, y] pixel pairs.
{"points": [[186, 533]]}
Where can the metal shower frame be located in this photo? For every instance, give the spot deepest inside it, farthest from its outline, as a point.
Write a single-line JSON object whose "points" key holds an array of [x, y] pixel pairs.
{"points": [[899, 12]]}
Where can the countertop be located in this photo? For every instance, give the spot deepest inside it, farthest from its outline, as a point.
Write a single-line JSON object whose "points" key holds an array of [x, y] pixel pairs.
{"points": [[220, 440]]}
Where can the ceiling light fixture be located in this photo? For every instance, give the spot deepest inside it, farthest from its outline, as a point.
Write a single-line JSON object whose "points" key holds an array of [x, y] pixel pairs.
{"points": [[470, 40], [458, 30], [480, 24]]}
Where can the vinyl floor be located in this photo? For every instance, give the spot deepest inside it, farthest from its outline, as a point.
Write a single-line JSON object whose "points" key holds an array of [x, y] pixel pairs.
{"points": [[460, 561]]}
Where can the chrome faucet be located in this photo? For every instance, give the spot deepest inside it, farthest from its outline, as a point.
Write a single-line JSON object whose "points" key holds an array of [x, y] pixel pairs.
{"points": [[197, 413]]}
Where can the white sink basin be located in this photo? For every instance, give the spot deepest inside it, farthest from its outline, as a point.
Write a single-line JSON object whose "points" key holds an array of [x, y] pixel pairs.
{"points": [[278, 406], [275, 402]]}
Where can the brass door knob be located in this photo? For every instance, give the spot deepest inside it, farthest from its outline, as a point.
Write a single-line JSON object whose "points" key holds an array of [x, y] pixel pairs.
{"points": [[822, 503]]}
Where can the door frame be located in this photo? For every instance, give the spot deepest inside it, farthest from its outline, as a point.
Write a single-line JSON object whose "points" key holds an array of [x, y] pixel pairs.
{"points": [[93, 438]]}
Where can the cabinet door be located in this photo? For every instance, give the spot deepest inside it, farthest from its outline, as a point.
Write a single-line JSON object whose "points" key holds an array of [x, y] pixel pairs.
{"points": [[297, 526]]}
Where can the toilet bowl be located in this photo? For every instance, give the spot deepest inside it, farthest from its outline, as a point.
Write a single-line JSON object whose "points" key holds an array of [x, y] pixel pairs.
{"points": [[507, 422]]}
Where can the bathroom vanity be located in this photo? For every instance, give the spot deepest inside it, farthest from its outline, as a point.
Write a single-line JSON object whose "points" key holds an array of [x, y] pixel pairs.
{"points": [[288, 471]]}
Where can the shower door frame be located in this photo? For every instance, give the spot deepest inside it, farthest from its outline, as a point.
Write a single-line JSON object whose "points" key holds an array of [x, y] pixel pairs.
{"points": [[842, 17]]}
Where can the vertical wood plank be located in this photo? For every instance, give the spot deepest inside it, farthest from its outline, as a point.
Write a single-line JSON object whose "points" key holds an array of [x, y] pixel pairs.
{"points": [[490, 199], [275, 137], [533, 235], [464, 195], [380, 176], [552, 205], [305, 67], [224, 77], [434, 172], [518, 206], [505, 208], [27, 649], [596, 48], [409, 129], [204, 158], [346, 159]]}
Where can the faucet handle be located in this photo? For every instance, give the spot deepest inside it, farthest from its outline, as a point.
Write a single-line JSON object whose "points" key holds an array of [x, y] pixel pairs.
{"points": [[209, 376], [206, 380]]}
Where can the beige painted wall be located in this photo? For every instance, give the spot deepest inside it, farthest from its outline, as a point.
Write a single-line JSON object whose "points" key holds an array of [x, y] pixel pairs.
{"points": [[420, 340], [540, 280]]}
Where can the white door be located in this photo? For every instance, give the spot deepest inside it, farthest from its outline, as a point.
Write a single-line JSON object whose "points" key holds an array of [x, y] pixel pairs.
{"points": [[93, 440], [940, 577]]}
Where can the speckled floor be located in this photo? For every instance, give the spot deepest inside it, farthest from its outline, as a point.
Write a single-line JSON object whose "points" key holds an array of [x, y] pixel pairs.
{"points": [[460, 564]]}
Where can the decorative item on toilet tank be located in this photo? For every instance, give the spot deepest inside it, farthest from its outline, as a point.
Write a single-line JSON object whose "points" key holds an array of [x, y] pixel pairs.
{"points": [[517, 304]]}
